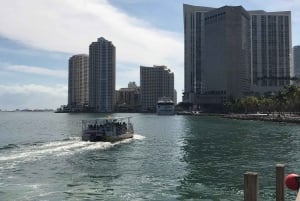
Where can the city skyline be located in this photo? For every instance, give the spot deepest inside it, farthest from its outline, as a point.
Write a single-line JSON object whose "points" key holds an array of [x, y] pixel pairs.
{"points": [[36, 45]]}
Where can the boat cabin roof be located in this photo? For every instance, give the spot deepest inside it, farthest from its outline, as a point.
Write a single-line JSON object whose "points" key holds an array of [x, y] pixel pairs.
{"points": [[107, 119]]}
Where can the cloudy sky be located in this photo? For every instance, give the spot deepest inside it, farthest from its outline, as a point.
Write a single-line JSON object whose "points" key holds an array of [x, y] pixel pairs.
{"points": [[37, 37]]}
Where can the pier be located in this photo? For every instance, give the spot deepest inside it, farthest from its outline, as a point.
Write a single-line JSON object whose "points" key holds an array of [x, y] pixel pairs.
{"points": [[251, 185]]}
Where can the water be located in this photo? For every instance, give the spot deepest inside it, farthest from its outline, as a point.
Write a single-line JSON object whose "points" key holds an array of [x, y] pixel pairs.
{"points": [[170, 158]]}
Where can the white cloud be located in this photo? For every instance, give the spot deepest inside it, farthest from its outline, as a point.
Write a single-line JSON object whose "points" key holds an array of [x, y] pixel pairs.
{"points": [[38, 71], [32, 96], [29, 89], [70, 26]]}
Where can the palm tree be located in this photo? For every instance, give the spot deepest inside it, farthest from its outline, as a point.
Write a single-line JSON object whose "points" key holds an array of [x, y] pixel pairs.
{"points": [[291, 94], [250, 103], [280, 101], [266, 105]]}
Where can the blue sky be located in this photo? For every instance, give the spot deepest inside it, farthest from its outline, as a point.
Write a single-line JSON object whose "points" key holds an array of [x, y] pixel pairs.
{"points": [[38, 37]]}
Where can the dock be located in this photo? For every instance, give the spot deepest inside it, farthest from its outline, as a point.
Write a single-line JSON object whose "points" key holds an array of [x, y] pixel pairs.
{"points": [[251, 185]]}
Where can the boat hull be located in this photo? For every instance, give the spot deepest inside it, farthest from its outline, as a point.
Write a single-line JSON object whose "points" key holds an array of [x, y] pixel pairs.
{"points": [[98, 138]]}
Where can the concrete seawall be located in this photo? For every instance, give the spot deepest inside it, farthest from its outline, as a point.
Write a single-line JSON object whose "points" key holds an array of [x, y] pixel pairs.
{"points": [[288, 118]]}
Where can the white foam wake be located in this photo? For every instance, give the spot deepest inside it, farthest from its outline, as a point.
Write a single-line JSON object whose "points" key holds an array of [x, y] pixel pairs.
{"points": [[138, 137], [59, 148]]}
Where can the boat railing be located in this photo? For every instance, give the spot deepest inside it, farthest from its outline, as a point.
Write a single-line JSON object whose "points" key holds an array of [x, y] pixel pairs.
{"points": [[114, 126]]}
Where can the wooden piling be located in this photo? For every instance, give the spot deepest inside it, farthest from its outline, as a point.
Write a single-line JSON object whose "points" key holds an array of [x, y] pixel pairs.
{"points": [[298, 196], [251, 186], [280, 182]]}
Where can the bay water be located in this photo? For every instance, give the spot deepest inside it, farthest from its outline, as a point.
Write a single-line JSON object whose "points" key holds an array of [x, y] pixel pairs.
{"points": [[176, 157]]}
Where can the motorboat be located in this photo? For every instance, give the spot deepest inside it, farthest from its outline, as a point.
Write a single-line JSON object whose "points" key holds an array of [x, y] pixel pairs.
{"points": [[107, 129]]}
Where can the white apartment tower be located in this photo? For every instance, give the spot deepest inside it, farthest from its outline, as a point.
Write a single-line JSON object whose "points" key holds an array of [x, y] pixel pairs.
{"points": [[102, 75], [78, 93], [156, 82]]}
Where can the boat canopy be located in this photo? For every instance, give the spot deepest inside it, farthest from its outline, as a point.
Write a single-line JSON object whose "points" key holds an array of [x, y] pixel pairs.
{"points": [[106, 120]]}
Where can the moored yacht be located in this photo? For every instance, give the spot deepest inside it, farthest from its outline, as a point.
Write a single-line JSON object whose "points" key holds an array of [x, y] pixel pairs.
{"points": [[165, 106]]}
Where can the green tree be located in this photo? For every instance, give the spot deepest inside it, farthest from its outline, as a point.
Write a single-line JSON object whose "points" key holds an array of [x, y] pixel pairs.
{"points": [[266, 105], [250, 104], [280, 101], [291, 97]]}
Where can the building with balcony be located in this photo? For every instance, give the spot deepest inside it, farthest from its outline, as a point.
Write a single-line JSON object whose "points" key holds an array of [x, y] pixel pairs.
{"points": [[102, 75], [78, 86], [128, 99], [156, 82]]}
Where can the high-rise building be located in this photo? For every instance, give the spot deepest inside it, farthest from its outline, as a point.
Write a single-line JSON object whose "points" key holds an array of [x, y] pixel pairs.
{"points": [[217, 45], [78, 88], [102, 75], [297, 61], [156, 82], [271, 48], [226, 63], [269, 53], [194, 27], [175, 97]]}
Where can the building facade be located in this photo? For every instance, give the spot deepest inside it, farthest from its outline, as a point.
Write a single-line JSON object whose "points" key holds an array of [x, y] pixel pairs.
{"points": [[128, 99], [217, 41], [156, 82], [78, 87], [226, 63], [271, 48], [194, 26], [296, 51], [267, 41], [102, 75]]}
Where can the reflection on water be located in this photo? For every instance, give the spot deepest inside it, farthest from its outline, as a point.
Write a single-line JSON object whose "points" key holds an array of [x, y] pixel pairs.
{"points": [[219, 151], [170, 158]]}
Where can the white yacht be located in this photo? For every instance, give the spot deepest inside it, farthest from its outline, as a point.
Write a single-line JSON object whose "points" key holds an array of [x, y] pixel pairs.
{"points": [[165, 106]]}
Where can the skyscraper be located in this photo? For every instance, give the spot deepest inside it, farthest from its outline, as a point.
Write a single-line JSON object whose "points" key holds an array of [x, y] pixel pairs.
{"points": [[194, 27], [217, 42], [268, 43], [271, 49], [102, 73], [156, 82], [297, 61], [78, 93], [226, 62]]}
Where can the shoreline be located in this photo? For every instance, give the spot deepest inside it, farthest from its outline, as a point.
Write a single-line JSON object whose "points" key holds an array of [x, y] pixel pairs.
{"points": [[287, 118]]}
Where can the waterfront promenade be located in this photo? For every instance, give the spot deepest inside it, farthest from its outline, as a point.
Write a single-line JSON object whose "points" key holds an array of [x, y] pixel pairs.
{"points": [[274, 117]]}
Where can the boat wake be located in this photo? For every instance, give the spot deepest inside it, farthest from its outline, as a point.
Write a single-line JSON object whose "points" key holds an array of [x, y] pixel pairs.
{"points": [[13, 154]]}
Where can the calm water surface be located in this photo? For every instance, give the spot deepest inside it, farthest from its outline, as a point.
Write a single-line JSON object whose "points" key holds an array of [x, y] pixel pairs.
{"points": [[170, 158]]}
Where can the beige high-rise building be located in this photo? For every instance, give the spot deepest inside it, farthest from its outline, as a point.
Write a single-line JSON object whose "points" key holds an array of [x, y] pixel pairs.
{"points": [[128, 99], [78, 87], [156, 82]]}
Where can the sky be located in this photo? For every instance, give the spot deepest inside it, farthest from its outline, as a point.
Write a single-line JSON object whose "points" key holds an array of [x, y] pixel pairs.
{"points": [[37, 38]]}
